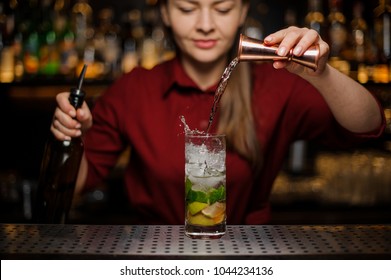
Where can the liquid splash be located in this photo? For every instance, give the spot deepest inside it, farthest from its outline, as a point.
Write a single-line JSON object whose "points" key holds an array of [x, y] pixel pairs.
{"points": [[217, 97], [187, 128]]}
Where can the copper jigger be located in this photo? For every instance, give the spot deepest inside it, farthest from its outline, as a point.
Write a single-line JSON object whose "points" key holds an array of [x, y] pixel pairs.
{"points": [[254, 49]]}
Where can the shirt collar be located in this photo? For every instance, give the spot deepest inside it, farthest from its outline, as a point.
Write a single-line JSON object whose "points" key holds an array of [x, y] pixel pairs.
{"points": [[180, 79]]}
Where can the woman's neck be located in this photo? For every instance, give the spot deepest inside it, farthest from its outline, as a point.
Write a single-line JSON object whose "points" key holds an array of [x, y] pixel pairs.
{"points": [[205, 75]]}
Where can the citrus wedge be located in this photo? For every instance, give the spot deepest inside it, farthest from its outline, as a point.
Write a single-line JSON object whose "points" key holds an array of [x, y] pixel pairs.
{"points": [[214, 210], [195, 207], [219, 219], [200, 220]]}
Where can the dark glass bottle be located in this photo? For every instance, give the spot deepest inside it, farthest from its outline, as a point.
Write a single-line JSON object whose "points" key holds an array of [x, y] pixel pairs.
{"points": [[59, 170]]}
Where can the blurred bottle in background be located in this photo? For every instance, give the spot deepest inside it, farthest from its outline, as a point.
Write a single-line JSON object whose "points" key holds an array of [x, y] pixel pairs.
{"points": [[66, 39], [129, 55], [315, 18], [31, 40], [7, 28], [83, 28], [107, 44], [55, 38], [382, 32], [359, 47], [49, 56], [152, 43], [337, 36]]}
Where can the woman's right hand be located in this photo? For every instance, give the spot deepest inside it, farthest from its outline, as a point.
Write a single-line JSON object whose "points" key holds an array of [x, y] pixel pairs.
{"points": [[67, 121]]}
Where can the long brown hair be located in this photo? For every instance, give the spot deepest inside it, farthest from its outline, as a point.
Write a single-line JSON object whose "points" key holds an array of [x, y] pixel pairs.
{"points": [[237, 120], [237, 117]]}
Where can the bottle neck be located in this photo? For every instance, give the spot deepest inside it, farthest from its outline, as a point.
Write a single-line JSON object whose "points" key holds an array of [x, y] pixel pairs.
{"points": [[76, 98]]}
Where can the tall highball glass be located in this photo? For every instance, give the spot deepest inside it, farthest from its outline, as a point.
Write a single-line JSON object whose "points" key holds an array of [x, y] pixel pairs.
{"points": [[205, 180]]}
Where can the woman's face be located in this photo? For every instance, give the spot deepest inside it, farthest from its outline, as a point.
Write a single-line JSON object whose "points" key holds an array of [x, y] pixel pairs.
{"points": [[204, 30]]}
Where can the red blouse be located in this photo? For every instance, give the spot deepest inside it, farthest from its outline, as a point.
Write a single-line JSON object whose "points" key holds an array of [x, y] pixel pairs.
{"points": [[143, 109]]}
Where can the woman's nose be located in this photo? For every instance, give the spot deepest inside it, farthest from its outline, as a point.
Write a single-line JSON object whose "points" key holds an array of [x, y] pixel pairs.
{"points": [[205, 21]]}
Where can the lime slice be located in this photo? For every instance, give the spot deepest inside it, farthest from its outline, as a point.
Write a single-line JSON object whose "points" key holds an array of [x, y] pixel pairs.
{"points": [[196, 207], [215, 210], [200, 220]]}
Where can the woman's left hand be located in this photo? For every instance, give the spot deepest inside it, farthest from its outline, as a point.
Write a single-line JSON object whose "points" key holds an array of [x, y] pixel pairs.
{"points": [[298, 39]]}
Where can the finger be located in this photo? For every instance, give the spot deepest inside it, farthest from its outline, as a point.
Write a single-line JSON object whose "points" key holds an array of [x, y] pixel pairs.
{"points": [[324, 48], [63, 102], [276, 37], [65, 119], [63, 132], [280, 64], [58, 135], [293, 39], [84, 116], [286, 38], [309, 38], [83, 113], [324, 51], [298, 39]]}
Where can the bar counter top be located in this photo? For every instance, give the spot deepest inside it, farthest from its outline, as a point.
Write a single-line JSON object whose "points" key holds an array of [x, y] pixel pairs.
{"points": [[39, 241]]}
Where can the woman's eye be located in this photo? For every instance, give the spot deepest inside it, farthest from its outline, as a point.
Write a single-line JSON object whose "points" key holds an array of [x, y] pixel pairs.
{"points": [[223, 9], [186, 10]]}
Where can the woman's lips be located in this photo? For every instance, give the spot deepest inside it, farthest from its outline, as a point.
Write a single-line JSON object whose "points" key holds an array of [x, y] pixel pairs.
{"points": [[205, 44]]}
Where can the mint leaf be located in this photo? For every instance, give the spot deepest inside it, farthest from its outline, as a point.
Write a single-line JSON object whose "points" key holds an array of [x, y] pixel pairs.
{"points": [[188, 185], [217, 194], [193, 196]]}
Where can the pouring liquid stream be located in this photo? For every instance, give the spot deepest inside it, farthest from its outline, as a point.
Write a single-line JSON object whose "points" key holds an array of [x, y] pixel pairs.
{"points": [[217, 97], [218, 94], [220, 90]]}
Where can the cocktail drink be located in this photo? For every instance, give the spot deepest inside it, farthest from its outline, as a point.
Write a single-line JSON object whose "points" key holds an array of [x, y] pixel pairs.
{"points": [[205, 191]]}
